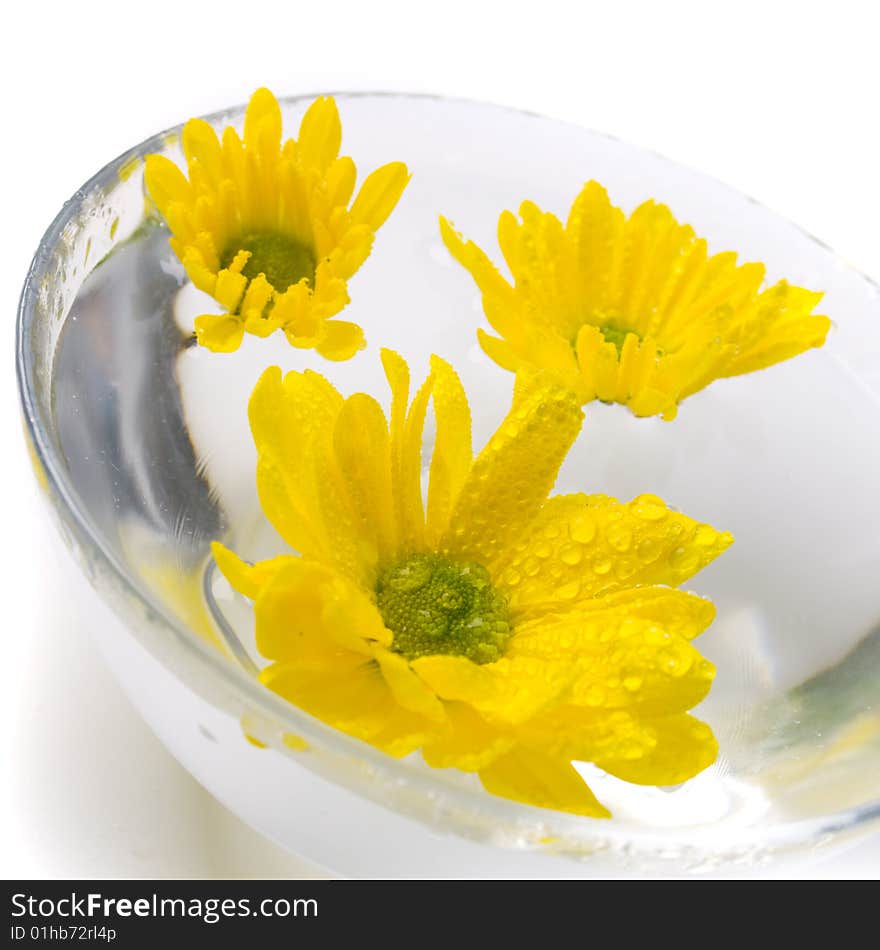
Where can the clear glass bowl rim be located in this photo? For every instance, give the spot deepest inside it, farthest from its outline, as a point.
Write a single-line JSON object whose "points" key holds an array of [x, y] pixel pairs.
{"points": [[234, 680]]}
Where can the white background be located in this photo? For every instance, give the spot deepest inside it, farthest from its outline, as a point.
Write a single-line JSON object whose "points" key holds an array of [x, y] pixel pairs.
{"points": [[778, 99]]}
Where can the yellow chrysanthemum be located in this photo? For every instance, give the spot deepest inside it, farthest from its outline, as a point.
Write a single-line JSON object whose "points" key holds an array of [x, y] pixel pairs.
{"points": [[498, 630], [630, 309], [266, 228]]}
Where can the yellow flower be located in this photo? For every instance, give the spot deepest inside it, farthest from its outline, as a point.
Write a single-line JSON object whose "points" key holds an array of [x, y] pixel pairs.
{"points": [[266, 228], [498, 630], [630, 310]]}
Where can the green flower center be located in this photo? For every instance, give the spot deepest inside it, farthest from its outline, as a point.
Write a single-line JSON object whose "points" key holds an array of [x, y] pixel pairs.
{"points": [[434, 605], [282, 259], [617, 336]]}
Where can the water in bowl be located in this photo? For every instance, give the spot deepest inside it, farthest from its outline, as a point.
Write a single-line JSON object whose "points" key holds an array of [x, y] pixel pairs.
{"points": [[154, 436]]}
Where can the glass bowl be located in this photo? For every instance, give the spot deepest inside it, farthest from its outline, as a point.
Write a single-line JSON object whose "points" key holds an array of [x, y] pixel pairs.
{"points": [[141, 444]]}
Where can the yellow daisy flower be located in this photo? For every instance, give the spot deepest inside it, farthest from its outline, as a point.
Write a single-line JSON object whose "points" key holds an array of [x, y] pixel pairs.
{"points": [[266, 228], [497, 630], [630, 309]]}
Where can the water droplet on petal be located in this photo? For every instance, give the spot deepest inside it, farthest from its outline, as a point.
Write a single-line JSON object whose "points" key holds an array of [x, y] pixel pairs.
{"points": [[511, 577], [619, 537], [705, 536], [684, 559], [595, 696], [624, 568], [649, 508], [583, 529], [569, 591]]}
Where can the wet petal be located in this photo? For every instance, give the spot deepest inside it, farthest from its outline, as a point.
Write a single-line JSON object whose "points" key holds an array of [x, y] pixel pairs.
{"points": [[320, 134], [219, 332], [378, 195], [452, 455], [340, 340], [298, 613], [662, 750], [201, 145], [165, 182], [511, 478], [262, 121], [409, 690], [528, 776], [353, 697], [408, 489], [471, 744], [301, 488], [567, 632], [510, 691], [583, 546], [247, 579], [363, 451]]}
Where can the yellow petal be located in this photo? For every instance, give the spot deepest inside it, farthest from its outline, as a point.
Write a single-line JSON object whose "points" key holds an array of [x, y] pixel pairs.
{"points": [[200, 145], [300, 485], [512, 476], [594, 226], [510, 691], [320, 134], [397, 374], [778, 326], [354, 698], [165, 182], [363, 451], [261, 323], [408, 490], [647, 669], [680, 612], [410, 691], [298, 611], [499, 351], [295, 314], [262, 121], [535, 779], [247, 579], [471, 744], [452, 456], [291, 508], [329, 297], [475, 260], [378, 195], [286, 419], [219, 332], [645, 750], [581, 546], [258, 294], [349, 252], [683, 747], [230, 287], [341, 340], [202, 276], [341, 177]]}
